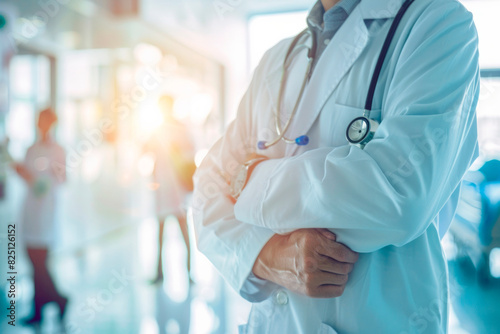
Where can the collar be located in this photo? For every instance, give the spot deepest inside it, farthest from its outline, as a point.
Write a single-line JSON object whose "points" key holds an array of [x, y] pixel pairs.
{"points": [[318, 19], [315, 17], [370, 9]]}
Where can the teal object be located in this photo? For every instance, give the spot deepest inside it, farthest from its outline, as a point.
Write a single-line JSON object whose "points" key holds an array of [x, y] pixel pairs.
{"points": [[41, 187], [3, 21]]}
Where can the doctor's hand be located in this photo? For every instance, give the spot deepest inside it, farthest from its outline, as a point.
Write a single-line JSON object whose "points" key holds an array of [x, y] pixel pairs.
{"points": [[306, 261]]}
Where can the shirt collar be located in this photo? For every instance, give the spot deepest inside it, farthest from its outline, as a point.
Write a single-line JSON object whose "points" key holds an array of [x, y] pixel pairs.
{"points": [[315, 17], [340, 11]]}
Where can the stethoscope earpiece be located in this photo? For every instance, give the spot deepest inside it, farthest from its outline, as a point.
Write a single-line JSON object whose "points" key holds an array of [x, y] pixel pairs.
{"points": [[262, 145], [302, 140]]}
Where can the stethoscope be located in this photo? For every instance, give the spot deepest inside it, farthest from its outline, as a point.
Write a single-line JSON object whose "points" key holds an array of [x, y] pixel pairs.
{"points": [[311, 54], [360, 130]]}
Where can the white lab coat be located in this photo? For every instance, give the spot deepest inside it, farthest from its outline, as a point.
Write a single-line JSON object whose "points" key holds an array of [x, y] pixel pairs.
{"points": [[391, 201], [46, 163]]}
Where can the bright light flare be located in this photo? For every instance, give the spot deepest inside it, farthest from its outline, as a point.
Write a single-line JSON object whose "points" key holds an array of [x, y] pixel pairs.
{"points": [[149, 325], [148, 247], [91, 167], [169, 63], [146, 164], [176, 283], [150, 117], [195, 107], [495, 262], [202, 104], [147, 54]]}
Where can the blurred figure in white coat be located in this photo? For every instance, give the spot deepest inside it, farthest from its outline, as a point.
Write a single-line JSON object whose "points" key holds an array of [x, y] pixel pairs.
{"points": [[174, 167], [43, 171]]}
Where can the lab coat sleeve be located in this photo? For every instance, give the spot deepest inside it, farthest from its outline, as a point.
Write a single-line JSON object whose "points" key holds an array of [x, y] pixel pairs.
{"points": [[390, 192], [231, 245]]}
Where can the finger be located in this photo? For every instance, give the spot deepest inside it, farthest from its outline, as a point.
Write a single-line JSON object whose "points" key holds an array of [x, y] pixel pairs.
{"points": [[327, 234], [338, 251], [330, 265], [329, 291], [326, 278]]}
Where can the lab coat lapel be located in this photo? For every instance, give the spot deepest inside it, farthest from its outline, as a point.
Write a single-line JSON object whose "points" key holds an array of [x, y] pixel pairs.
{"points": [[345, 48]]}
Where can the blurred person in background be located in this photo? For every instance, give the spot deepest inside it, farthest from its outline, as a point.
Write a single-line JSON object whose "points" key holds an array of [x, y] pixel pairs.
{"points": [[43, 170], [173, 171], [489, 190]]}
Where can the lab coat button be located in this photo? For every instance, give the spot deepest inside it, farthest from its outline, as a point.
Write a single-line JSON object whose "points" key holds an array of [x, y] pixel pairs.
{"points": [[326, 41], [281, 297]]}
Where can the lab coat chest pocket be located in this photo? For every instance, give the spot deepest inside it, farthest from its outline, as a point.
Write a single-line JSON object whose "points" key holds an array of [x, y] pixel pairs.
{"points": [[335, 118]]}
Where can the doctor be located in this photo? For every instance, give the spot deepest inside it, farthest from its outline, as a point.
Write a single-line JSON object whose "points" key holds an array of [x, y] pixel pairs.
{"points": [[43, 176], [279, 221]]}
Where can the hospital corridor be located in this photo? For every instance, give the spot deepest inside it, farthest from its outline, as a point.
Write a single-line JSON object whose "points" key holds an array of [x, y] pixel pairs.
{"points": [[249, 166]]}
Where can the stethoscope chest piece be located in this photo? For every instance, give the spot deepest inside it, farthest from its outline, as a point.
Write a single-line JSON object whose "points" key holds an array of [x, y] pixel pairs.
{"points": [[361, 130]]}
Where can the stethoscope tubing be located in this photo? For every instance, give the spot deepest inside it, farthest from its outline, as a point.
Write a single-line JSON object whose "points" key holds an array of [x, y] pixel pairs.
{"points": [[293, 48], [311, 55]]}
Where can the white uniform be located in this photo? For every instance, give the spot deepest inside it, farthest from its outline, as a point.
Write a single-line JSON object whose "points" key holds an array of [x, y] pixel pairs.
{"points": [[391, 201], [170, 193], [45, 161]]}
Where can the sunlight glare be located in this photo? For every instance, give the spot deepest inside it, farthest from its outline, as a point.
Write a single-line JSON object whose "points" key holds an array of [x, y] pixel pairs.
{"points": [[150, 117]]}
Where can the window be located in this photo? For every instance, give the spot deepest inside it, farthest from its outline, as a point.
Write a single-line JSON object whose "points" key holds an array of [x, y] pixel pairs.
{"points": [[30, 92], [488, 110], [266, 30]]}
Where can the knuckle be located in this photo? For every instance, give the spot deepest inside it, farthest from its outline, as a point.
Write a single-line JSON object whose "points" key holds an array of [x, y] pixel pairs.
{"points": [[308, 239], [310, 264], [339, 290], [341, 254], [343, 279], [308, 278], [346, 268]]}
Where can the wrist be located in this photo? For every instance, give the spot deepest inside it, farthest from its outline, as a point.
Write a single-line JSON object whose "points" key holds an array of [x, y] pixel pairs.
{"points": [[240, 179], [265, 263]]}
